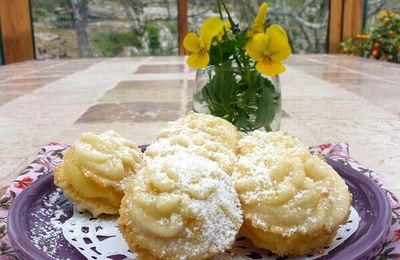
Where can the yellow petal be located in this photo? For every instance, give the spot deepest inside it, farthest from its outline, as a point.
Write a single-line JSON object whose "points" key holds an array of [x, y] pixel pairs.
{"points": [[213, 26], [259, 21], [278, 45], [198, 60], [257, 45], [270, 67], [262, 13], [226, 28], [206, 38], [191, 42]]}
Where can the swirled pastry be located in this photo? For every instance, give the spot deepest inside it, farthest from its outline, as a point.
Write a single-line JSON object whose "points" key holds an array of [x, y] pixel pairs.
{"points": [[181, 206], [216, 129], [195, 143], [92, 172], [293, 203]]}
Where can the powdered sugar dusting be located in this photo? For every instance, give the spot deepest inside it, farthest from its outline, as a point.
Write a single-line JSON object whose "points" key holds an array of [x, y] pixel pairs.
{"points": [[209, 209], [279, 182], [86, 227], [198, 143], [47, 237]]}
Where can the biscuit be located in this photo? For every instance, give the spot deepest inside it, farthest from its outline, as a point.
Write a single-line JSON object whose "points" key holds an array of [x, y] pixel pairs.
{"points": [[93, 172], [180, 206], [293, 202]]}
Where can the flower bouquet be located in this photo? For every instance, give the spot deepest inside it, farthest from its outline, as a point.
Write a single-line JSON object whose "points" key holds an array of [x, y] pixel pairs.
{"points": [[237, 69]]}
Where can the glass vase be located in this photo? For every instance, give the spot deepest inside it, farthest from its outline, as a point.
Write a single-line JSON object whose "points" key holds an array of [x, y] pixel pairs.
{"points": [[242, 96]]}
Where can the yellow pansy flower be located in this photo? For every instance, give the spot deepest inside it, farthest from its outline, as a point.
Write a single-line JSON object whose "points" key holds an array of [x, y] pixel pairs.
{"points": [[215, 26], [199, 47], [259, 21], [269, 49]]}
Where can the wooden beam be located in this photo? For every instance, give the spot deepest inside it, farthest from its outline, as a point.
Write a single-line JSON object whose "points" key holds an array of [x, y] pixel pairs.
{"points": [[182, 24], [16, 29], [348, 19], [352, 18], [1, 48], [335, 25], [345, 21], [358, 11]]}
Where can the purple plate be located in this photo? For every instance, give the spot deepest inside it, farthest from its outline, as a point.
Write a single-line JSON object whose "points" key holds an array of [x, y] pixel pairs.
{"points": [[368, 199]]}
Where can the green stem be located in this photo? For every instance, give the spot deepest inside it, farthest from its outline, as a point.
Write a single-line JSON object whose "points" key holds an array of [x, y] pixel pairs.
{"points": [[227, 12], [251, 88], [219, 10], [248, 77], [268, 128], [242, 57], [221, 56], [237, 61]]}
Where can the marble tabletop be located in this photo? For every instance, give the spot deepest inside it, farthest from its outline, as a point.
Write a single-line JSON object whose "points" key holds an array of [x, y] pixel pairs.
{"points": [[326, 98]]}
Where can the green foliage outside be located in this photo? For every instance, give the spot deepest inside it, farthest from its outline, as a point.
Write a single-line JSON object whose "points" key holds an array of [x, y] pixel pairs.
{"points": [[42, 9], [109, 44], [39, 14], [153, 35], [383, 43], [305, 21]]}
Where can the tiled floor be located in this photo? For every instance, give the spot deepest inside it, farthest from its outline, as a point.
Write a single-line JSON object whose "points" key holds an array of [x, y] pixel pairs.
{"points": [[327, 98]]}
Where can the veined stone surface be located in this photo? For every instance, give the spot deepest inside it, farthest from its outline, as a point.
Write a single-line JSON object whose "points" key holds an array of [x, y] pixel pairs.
{"points": [[326, 98]]}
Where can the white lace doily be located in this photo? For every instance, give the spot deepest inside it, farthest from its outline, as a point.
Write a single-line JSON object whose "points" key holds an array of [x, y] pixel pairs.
{"points": [[100, 238], [96, 238]]}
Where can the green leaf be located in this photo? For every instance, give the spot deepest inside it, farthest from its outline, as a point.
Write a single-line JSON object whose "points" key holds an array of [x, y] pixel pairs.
{"points": [[219, 91], [241, 120], [226, 87], [266, 112], [204, 94], [214, 55]]}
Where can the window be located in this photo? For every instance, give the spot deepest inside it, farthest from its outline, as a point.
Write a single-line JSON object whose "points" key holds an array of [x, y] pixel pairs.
{"points": [[107, 28], [104, 28], [372, 8], [306, 21]]}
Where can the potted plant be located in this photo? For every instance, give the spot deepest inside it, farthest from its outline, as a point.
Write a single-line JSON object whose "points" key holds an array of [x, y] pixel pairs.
{"points": [[237, 69]]}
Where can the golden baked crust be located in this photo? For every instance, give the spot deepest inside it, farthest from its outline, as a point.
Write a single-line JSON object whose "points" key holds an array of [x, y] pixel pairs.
{"points": [[87, 194], [92, 173], [297, 244], [183, 204], [216, 129], [180, 206], [107, 158], [293, 203]]}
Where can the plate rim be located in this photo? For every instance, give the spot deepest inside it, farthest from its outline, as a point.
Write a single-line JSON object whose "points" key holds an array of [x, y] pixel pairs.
{"points": [[27, 248], [25, 245], [385, 211]]}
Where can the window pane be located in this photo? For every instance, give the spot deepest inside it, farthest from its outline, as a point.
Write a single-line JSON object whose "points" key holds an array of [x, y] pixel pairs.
{"points": [[104, 28], [306, 21], [373, 7]]}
